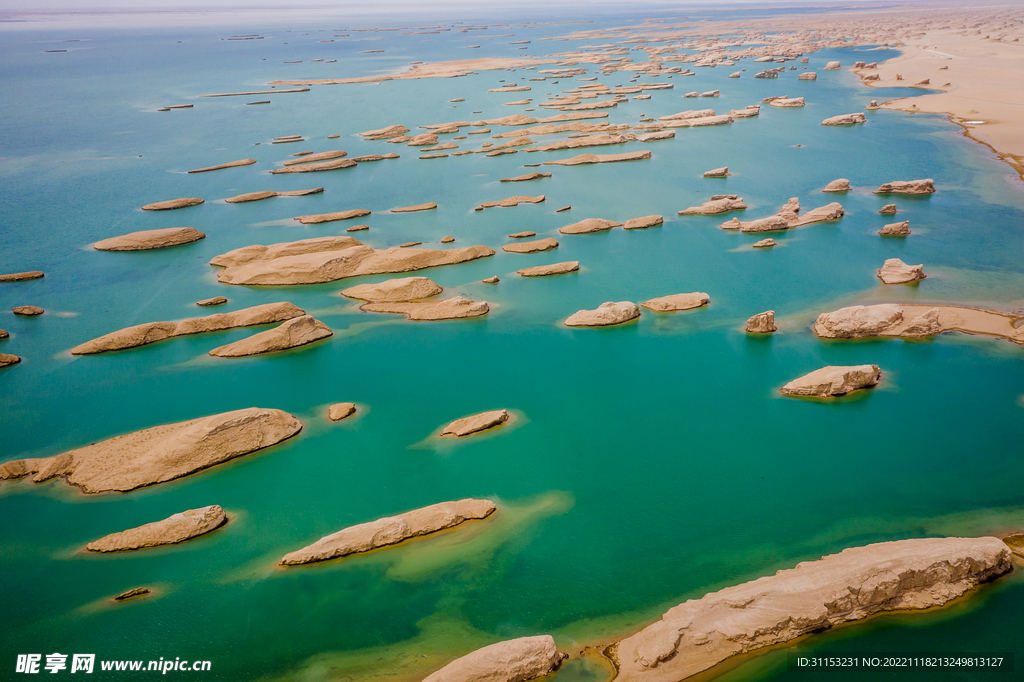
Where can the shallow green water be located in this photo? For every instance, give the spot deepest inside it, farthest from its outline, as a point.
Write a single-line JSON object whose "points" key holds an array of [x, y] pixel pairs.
{"points": [[648, 464]]}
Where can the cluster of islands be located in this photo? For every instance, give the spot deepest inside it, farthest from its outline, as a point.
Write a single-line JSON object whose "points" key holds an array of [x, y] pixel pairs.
{"points": [[692, 637]]}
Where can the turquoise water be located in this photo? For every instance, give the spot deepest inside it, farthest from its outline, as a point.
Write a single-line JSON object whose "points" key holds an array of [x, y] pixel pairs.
{"points": [[648, 464]]}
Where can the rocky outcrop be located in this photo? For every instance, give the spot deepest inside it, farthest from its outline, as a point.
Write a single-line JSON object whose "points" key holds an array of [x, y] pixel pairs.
{"points": [[764, 244], [150, 239], [826, 213], [172, 204], [786, 102], [161, 453], [531, 247], [686, 115], [554, 269], [858, 321], [172, 530], [339, 411], [831, 381], [528, 176], [327, 259], [296, 332], [832, 66], [722, 172], [643, 222], [718, 204], [312, 158], [588, 226], [331, 217], [888, 209], [522, 235], [21, 276], [844, 120], [334, 164], [770, 224], [134, 592], [896, 229], [604, 315], [385, 133], [808, 76], [515, 660], [230, 164], [815, 596], [840, 185], [674, 302], [907, 187], [762, 323], [512, 201], [394, 290], [584, 159], [895, 271], [209, 302], [27, 310], [142, 334], [476, 423], [6, 360], [490, 280], [390, 530], [447, 309], [417, 207], [267, 194]]}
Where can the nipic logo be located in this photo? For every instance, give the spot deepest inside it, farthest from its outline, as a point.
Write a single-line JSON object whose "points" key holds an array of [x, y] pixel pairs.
{"points": [[55, 662]]}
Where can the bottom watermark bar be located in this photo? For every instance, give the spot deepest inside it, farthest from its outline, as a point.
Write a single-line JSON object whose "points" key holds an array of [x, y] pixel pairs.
{"points": [[30, 664], [1001, 662]]}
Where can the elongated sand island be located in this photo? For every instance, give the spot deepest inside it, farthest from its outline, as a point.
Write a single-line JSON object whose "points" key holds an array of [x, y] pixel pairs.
{"points": [[161, 453], [267, 194], [298, 331], [454, 308], [916, 321], [515, 660], [394, 290], [150, 239], [172, 530], [150, 332], [390, 530], [327, 259], [816, 595], [832, 381], [467, 426]]}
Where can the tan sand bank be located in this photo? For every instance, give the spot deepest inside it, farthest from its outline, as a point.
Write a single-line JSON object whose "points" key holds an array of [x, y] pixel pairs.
{"points": [[316, 167], [390, 530], [339, 411], [844, 120], [901, 229], [722, 172], [412, 209], [531, 247], [150, 239], [764, 244], [448, 309], [606, 314], [718, 204], [208, 302], [134, 592], [528, 176], [915, 321], [816, 595], [255, 92], [312, 158], [554, 269], [374, 157], [172, 204], [907, 187], [161, 453], [387, 133], [522, 235], [258, 196], [833, 381], [327, 259], [6, 360], [476, 423], [172, 530], [394, 290], [840, 185], [452, 69], [589, 226], [674, 302], [514, 660], [513, 201], [27, 310], [231, 164], [584, 159], [643, 222], [331, 217], [895, 271], [762, 323], [150, 332], [21, 276], [298, 331]]}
